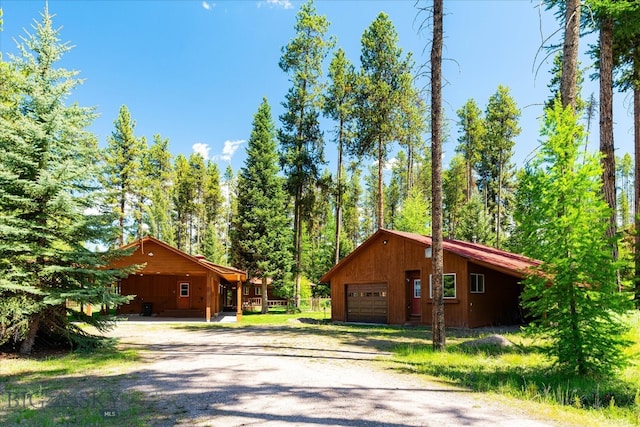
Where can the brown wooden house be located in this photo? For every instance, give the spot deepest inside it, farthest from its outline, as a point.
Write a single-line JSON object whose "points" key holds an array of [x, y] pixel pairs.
{"points": [[172, 283], [387, 280]]}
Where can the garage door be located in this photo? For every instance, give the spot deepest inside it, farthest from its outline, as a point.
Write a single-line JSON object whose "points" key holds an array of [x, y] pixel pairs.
{"points": [[367, 303]]}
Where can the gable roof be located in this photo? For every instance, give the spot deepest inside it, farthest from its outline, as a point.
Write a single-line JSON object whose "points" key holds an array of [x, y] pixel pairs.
{"points": [[496, 259], [228, 273]]}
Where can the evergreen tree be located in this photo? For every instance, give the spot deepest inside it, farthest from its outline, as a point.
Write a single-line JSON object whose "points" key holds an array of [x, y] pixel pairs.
{"points": [[624, 177], [414, 216], [51, 209], [183, 201], [352, 206], [339, 105], [470, 142], [380, 90], [123, 173], [230, 205], [495, 167], [301, 141], [158, 169], [413, 112], [453, 195], [212, 240], [475, 224], [573, 296], [261, 237]]}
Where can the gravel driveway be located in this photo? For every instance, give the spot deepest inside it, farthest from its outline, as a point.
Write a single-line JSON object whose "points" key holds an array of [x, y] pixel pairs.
{"points": [[289, 376]]}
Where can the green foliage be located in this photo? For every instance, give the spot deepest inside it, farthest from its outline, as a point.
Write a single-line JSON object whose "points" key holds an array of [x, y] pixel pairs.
{"points": [[470, 141], [454, 181], [51, 209], [414, 216], [495, 168], [475, 223], [382, 83], [158, 169], [301, 140], [123, 175], [261, 234], [572, 297]]}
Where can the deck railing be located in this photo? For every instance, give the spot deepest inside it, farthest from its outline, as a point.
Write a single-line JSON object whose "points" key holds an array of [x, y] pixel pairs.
{"points": [[313, 304]]}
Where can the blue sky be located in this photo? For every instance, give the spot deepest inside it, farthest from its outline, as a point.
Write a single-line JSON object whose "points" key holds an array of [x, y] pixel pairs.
{"points": [[195, 71]]}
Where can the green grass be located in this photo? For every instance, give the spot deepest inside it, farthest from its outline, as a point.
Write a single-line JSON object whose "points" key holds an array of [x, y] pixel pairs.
{"points": [[524, 372], [280, 316], [80, 388]]}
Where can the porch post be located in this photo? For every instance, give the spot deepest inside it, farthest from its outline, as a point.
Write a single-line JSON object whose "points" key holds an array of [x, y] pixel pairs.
{"points": [[209, 284], [239, 301]]}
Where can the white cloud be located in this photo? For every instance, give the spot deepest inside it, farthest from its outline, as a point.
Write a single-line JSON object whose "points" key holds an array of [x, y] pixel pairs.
{"points": [[285, 4], [201, 148], [229, 149], [387, 166], [208, 5], [390, 164]]}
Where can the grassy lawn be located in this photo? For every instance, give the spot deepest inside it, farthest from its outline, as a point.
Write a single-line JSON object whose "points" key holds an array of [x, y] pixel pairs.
{"points": [[69, 389]]}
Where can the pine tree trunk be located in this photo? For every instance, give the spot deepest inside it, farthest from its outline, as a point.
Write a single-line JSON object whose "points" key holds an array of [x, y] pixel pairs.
{"points": [[568, 80], [298, 246], [499, 210], [27, 345], [636, 145], [438, 326], [339, 195], [380, 184], [606, 124], [265, 295]]}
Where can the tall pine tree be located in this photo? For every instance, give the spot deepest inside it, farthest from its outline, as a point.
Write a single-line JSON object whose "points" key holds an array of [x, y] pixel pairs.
{"points": [[123, 175], [301, 141]]}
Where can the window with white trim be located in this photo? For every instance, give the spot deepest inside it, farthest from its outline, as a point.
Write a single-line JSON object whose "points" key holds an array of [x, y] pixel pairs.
{"points": [[416, 288], [448, 284], [257, 290], [245, 290], [476, 284]]}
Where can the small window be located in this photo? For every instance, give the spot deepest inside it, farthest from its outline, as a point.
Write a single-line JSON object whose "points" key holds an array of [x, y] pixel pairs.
{"points": [[184, 289], [476, 285], [245, 290], [257, 290], [449, 286], [417, 289]]}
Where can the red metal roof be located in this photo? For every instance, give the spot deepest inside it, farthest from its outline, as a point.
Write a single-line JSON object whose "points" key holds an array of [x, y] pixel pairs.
{"points": [[507, 262]]}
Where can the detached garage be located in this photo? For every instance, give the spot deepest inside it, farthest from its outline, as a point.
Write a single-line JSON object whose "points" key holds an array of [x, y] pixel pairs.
{"points": [[367, 303], [387, 279]]}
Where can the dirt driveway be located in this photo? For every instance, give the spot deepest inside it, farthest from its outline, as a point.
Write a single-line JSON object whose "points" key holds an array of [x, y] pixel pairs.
{"points": [[289, 376]]}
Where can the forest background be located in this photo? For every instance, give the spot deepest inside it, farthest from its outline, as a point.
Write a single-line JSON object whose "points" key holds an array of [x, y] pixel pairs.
{"points": [[170, 79]]}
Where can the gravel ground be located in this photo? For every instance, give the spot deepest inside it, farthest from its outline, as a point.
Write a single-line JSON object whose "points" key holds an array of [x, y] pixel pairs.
{"points": [[287, 376]]}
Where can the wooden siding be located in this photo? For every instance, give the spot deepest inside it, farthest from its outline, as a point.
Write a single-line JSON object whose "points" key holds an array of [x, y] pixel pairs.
{"points": [[499, 304], [160, 260], [454, 311], [391, 259], [162, 292]]}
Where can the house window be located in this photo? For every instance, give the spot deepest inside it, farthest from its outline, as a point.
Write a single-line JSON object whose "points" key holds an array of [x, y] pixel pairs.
{"points": [[476, 285], [245, 290], [416, 288], [257, 290], [184, 289], [449, 286]]}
